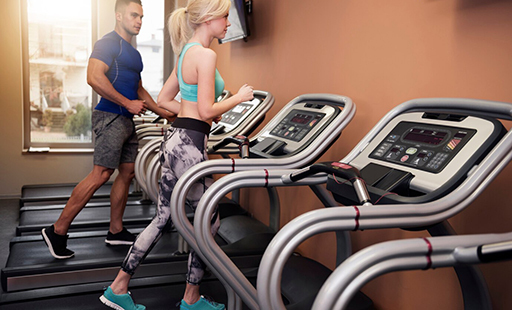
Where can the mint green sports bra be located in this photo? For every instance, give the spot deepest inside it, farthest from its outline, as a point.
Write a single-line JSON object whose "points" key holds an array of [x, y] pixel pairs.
{"points": [[189, 91]]}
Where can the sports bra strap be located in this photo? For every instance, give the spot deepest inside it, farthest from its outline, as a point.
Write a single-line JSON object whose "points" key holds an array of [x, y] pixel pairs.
{"points": [[180, 61]]}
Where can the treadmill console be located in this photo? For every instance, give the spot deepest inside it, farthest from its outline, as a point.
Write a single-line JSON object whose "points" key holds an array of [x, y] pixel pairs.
{"points": [[234, 117], [293, 128], [425, 147], [236, 114], [297, 124], [426, 152]]}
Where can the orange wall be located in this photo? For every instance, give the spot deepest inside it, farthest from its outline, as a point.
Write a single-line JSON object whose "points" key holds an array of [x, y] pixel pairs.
{"points": [[380, 54]]}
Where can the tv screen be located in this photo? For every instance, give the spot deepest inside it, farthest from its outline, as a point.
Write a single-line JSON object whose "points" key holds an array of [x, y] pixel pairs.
{"points": [[238, 19]]}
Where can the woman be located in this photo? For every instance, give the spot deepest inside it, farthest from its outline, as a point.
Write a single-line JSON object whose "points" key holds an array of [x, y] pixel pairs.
{"points": [[192, 30]]}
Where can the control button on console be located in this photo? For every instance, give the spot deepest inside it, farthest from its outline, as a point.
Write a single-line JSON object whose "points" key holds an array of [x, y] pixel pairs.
{"points": [[392, 138], [411, 151], [391, 156]]}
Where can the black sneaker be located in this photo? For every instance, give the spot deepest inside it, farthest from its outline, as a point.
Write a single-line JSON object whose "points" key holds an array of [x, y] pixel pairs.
{"points": [[124, 237], [57, 244]]}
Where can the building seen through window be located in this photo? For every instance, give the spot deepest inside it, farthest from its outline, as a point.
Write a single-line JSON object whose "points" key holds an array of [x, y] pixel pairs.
{"points": [[59, 42]]}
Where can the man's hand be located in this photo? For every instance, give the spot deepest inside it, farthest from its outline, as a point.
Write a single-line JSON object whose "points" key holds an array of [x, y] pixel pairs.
{"points": [[137, 107]]}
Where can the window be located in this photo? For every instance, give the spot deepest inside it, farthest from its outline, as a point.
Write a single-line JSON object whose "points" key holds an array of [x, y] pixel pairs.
{"points": [[57, 42], [150, 42], [58, 36]]}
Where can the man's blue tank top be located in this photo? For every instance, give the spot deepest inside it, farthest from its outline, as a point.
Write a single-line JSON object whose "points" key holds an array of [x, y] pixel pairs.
{"points": [[189, 91], [125, 66]]}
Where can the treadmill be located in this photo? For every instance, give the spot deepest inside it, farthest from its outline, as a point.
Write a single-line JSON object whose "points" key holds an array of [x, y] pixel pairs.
{"points": [[38, 210], [437, 251], [44, 194], [30, 270], [242, 119], [415, 163]]}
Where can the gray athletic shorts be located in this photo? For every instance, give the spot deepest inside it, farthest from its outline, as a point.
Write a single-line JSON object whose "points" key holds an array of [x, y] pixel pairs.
{"points": [[116, 140]]}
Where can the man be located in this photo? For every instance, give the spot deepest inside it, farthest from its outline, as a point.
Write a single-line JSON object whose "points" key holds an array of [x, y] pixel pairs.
{"points": [[114, 73]]}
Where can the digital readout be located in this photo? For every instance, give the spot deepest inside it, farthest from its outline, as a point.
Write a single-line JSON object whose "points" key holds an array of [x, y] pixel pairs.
{"points": [[425, 136], [301, 119]]}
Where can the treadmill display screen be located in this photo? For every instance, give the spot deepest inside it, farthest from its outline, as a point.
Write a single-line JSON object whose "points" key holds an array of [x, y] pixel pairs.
{"points": [[426, 136], [301, 118], [239, 112]]}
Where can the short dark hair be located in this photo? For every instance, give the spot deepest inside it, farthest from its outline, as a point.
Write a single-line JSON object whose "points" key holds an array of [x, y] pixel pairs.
{"points": [[120, 3]]}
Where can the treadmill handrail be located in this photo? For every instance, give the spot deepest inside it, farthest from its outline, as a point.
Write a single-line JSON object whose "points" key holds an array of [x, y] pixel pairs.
{"points": [[152, 132], [206, 168], [399, 255], [149, 125], [216, 258], [154, 169], [140, 162]]}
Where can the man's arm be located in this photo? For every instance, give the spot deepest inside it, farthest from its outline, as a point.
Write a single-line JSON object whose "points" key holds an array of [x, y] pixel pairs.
{"points": [[151, 104], [97, 79]]}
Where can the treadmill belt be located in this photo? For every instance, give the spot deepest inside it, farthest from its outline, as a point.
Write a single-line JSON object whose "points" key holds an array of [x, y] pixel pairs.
{"points": [[95, 217], [60, 204], [56, 190], [44, 192], [88, 247], [31, 266]]}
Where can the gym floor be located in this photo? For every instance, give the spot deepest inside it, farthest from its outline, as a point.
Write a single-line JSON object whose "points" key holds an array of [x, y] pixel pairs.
{"points": [[155, 297], [9, 211]]}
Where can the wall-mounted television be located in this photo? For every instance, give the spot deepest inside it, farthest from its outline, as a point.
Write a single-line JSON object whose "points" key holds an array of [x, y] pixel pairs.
{"points": [[238, 18]]}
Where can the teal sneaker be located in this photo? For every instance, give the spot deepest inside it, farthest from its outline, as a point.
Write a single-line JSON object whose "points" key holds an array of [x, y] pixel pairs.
{"points": [[202, 304], [119, 302]]}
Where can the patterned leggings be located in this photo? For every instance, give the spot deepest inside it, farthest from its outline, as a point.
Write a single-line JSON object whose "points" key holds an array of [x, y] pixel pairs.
{"points": [[181, 149]]}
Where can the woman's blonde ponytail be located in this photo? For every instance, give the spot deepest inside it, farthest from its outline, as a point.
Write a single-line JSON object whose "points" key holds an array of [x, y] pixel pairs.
{"points": [[179, 29]]}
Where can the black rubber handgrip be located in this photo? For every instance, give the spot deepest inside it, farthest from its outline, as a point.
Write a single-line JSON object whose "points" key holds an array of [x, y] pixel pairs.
{"points": [[240, 140], [491, 253], [338, 169]]}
